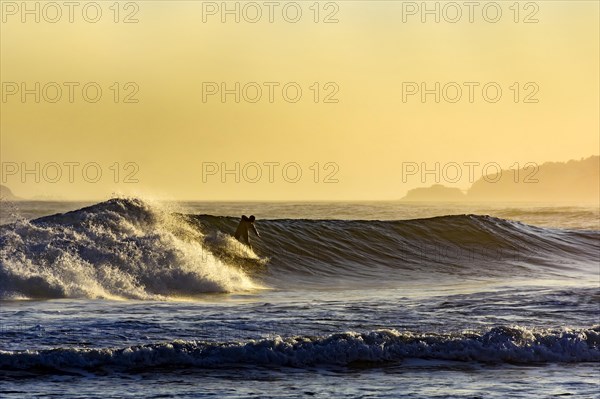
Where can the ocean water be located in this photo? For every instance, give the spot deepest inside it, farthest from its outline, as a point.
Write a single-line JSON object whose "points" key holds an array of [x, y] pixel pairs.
{"points": [[135, 298]]}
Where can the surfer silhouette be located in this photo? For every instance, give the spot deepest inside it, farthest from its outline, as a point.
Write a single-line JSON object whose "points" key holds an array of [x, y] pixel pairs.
{"points": [[241, 233]]}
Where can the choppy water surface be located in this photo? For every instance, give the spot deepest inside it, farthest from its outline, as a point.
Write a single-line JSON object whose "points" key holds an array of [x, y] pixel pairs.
{"points": [[130, 298]]}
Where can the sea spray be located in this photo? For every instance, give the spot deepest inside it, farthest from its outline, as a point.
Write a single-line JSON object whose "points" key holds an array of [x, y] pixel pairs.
{"points": [[121, 248]]}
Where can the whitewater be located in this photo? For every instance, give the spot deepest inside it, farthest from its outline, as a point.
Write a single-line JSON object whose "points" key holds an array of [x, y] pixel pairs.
{"points": [[130, 297]]}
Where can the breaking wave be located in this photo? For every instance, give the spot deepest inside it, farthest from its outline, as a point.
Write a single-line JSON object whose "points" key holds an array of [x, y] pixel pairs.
{"points": [[121, 248], [504, 344], [129, 248]]}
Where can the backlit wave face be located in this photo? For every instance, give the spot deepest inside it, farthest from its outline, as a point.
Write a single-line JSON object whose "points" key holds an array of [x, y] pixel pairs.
{"points": [[128, 248]]}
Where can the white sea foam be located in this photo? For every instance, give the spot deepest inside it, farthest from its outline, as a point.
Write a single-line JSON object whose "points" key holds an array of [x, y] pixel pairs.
{"points": [[122, 248], [498, 345]]}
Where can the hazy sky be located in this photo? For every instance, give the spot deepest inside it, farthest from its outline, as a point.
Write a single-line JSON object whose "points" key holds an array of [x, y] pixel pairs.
{"points": [[161, 119]]}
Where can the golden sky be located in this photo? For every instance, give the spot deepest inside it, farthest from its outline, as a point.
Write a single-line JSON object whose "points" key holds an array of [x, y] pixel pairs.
{"points": [[356, 133]]}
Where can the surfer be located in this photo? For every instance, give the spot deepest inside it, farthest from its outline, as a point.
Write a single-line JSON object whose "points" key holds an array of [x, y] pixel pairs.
{"points": [[241, 233]]}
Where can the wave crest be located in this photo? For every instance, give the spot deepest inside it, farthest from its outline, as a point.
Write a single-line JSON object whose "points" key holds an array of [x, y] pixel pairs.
{"points": [[121, 248], [504, 344], [129, 248]]}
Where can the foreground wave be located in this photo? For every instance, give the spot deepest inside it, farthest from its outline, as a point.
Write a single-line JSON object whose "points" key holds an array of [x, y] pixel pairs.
{"points": [[497, 345], [129, 248]]}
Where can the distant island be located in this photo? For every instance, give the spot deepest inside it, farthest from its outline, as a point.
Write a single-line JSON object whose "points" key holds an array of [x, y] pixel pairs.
{"points": [[551, 181], [437, 192], [7, 195]]}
